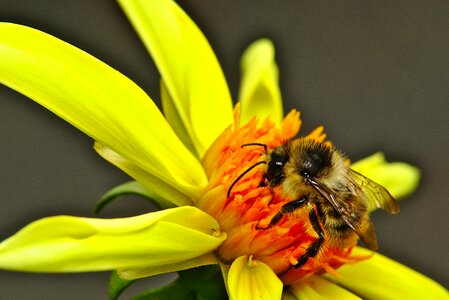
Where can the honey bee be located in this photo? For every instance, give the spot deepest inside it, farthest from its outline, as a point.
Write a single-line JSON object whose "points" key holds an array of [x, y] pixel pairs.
{"points": [[336, 198]]}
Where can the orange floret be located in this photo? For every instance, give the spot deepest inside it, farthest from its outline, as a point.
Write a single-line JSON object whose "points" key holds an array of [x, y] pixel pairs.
{"points": [[251, 204]]}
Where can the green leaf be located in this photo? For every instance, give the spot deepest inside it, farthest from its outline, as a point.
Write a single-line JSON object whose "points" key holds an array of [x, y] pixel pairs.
{"points": [[206, 282], [203, 283], [174, 291], [117, 285], [131, 188]]}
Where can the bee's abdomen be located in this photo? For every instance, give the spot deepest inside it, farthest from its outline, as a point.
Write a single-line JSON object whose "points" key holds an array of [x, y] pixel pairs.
{"points": [[333, 222], [339, 225]]}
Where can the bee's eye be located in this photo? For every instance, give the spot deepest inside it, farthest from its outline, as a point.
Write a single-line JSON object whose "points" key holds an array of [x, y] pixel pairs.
{"points": [[278, 160], [275, 173]]}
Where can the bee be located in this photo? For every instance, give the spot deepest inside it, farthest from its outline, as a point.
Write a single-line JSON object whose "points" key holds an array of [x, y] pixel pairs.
{"points": [[336, 198]]}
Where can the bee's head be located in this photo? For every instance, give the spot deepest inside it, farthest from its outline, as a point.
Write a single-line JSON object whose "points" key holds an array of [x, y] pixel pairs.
{"points": [[301, 158], [277, 158]]}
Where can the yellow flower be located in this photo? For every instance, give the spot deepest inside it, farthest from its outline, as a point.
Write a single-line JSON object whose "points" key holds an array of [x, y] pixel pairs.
{"points": [[188, 159]]}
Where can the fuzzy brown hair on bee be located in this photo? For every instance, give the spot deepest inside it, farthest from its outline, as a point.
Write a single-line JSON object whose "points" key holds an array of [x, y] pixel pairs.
{"points": [[337, 199]]}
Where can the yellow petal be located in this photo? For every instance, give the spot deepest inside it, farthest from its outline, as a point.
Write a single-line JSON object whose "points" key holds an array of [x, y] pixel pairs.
{"points": [[177, 194], [174, 119], [225, 273], [400, 179], [287, 295], [71, 244], [130, 274], [259, 94], [382, 278], [318, 288], [98, 100], [249, 279], [188, 67]]}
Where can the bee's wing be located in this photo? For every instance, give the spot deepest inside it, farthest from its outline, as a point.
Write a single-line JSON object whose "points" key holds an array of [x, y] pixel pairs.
{"points": [[364, 230], [368, 236], [372, 194], [337, 202]]}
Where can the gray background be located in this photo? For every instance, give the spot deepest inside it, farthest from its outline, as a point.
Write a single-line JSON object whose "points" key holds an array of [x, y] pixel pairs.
{"points": [[375, 73]]}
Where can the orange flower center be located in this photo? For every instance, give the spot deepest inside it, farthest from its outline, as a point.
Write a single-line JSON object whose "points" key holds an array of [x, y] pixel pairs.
{"points": [[246, 214]]}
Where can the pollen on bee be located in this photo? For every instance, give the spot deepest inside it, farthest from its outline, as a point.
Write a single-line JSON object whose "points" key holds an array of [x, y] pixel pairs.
{"points": [[293, 260]]}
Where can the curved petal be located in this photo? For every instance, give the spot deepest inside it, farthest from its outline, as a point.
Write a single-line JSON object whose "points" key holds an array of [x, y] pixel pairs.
{"points": [[98, 100], [249, 279], [382, 278], [71, 244], [400, 179], [158, 186], [259, 94], [135, 273], [174, 119], [318, 288], [188, 66]]}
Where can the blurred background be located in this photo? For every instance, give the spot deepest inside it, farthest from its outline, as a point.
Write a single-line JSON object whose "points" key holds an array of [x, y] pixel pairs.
{"points": [[374, 73]]}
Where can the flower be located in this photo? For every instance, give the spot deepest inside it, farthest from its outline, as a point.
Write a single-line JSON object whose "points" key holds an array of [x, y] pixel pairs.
{"points": [[131, 133]]}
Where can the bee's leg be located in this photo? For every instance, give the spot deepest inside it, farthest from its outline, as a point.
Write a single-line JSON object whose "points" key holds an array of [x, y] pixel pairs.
{"points": [[285, 209], [315, 247]]}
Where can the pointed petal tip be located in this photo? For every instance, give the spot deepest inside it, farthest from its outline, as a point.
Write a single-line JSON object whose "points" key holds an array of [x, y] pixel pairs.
{"points": [[259, 93]]}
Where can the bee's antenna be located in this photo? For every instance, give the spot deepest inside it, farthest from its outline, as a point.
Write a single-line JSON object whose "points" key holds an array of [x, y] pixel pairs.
{"points": [[255, 144], [250, 168], [244, 173]]}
